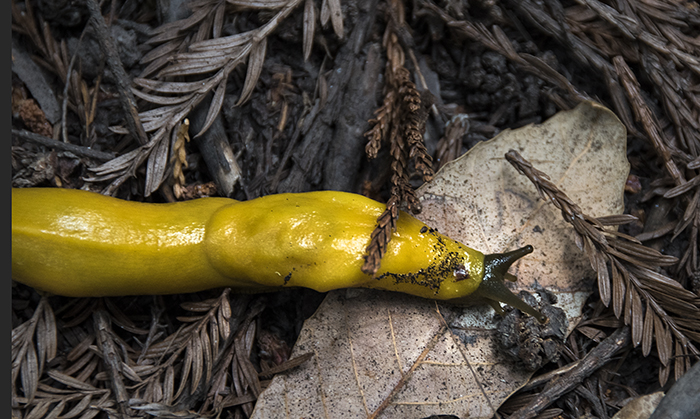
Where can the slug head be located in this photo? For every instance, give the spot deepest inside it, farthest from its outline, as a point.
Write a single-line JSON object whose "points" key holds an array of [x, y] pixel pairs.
{"points": [[494, 290]]}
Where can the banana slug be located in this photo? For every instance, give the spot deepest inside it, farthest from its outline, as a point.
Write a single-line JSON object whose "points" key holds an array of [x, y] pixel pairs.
{"points": [[80, 244]]}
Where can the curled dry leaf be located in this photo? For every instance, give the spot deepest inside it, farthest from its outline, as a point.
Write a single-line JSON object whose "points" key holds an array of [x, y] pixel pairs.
{"points": [[387, 355]]}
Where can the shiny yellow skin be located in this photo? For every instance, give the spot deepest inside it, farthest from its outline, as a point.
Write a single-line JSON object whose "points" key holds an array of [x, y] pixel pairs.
{"points": [[77, 243]]}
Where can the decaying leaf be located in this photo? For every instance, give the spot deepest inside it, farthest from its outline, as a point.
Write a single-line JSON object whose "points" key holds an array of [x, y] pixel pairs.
{"points": [[387, 355]]}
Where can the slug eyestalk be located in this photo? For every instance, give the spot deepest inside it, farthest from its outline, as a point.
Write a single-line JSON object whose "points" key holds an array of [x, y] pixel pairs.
{"points": [[494, 290]]}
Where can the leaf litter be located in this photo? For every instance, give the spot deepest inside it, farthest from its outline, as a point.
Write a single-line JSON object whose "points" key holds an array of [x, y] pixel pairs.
{"points": [[387, 355], [664, 56]]}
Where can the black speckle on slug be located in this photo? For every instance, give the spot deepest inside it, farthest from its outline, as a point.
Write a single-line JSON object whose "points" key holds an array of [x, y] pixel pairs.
{"points": [[287, 278], [432, 276], [423, 229]]}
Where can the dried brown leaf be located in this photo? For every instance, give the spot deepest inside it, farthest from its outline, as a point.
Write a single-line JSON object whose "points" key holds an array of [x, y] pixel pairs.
{"points": [[225, 309], [198, 306], [218, 22], [39, 410], [336, 15], [79, 363], [155, 169], [161, 51], [186, 368], [57, 410], [70, 381], [180, 25], [113, 166], [637, 318], [255, 65], [663, 341], [194, 67], [46, 336], [259, 5], [648, 330], [592, 333], [325, 12], [243, 345], [309, 28], [189, 319], [287, 365], [214, 336], [214, 108], [169, 86], [130, 373], [224, 44], [168, 385], [682, 361], [122, 320], [29, 373], [197, 363], [78, 408], [618, 291], [683, 188], [224, 326], [603, 278], [617, 219], [207, 354]]}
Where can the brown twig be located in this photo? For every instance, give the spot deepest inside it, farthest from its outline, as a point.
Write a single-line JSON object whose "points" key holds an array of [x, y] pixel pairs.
{"points": [[59, 145]]}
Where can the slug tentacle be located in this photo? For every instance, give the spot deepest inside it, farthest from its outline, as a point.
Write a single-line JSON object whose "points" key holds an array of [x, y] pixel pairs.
{"points": [[494, 289]]}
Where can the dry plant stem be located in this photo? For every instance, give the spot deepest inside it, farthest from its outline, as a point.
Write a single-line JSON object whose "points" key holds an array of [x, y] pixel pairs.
{"points": [[400, 122], [111, 358], [115, 65], [549, 376], [594, 360], [59, 145]]}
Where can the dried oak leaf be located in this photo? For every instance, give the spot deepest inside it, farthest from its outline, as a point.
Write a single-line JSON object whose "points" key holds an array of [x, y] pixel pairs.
{"points": [[382, 354]]}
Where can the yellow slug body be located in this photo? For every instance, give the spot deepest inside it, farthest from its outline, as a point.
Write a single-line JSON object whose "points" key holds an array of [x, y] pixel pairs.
{"points": [[78, 243]]}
